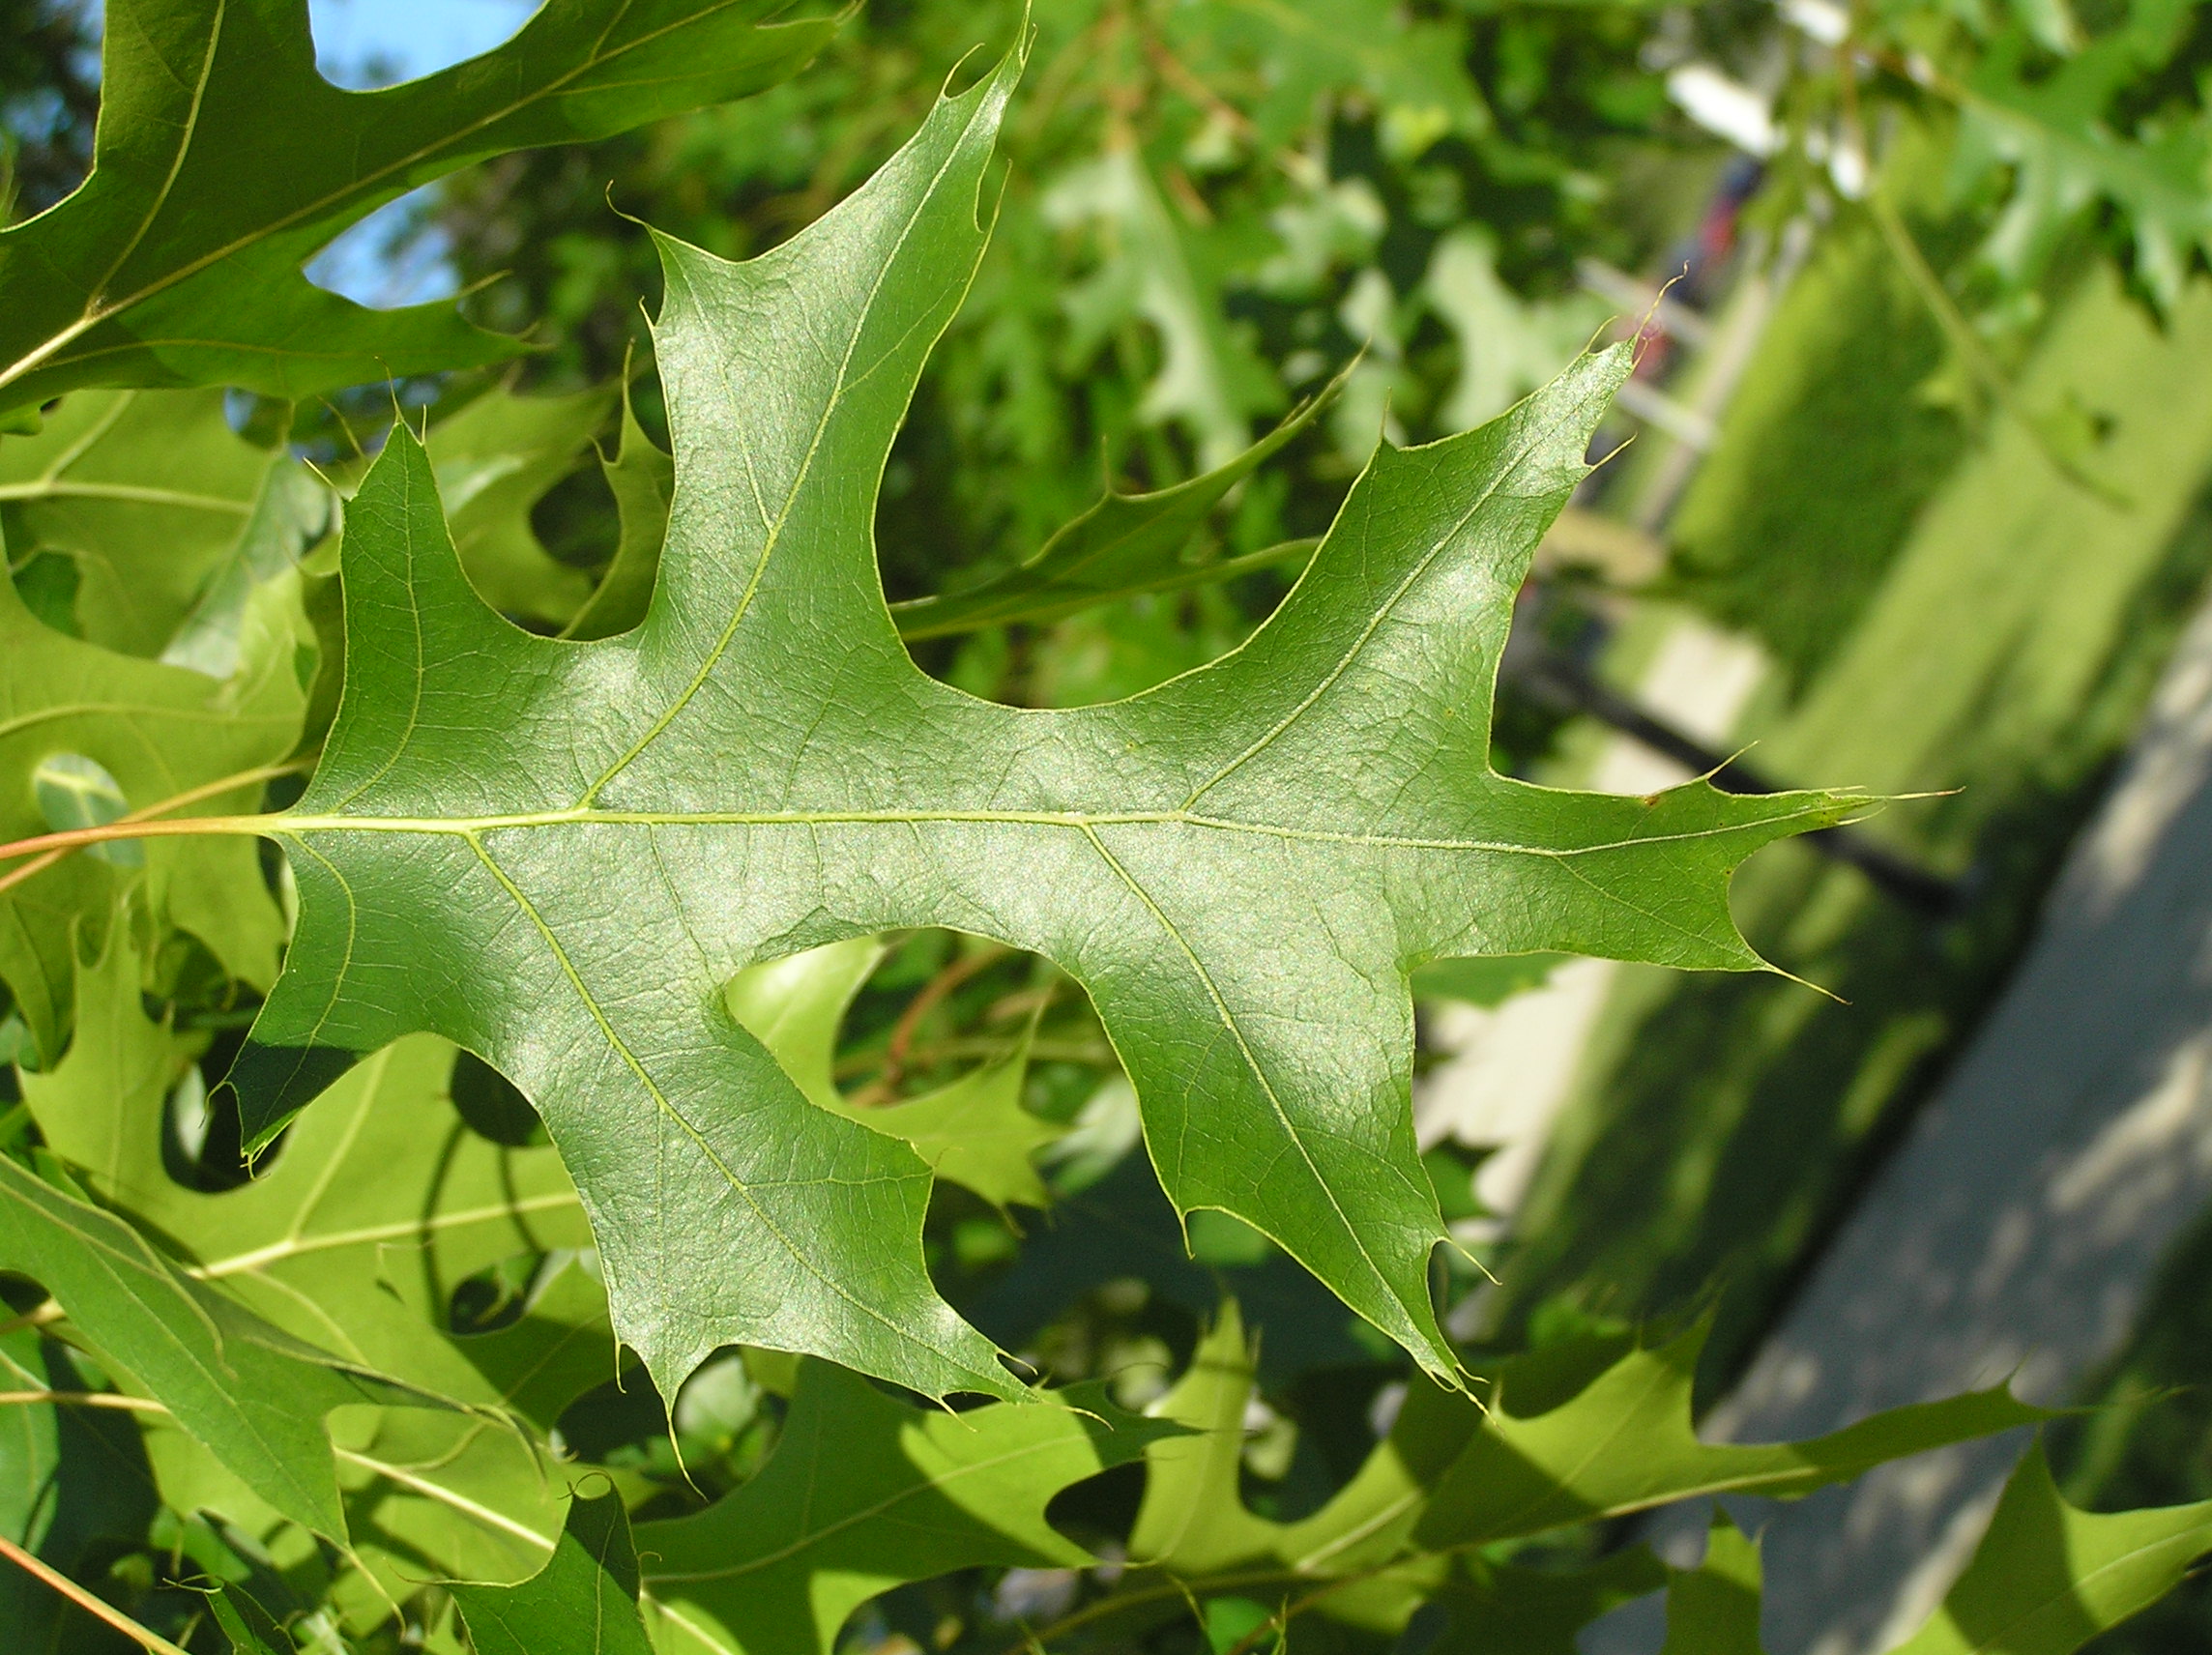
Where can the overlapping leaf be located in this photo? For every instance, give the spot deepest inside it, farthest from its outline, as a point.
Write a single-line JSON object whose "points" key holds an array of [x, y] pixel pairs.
{"points": [[584, 1601], [1126, 543], [1713, 1608], [1580, 1433], [2048, 1578], [493, 460], [972, 1131], [145, 495], [254, 1394], [381, 1204], [864, 1492], [554, 852], [154, 730], [224, 160]]}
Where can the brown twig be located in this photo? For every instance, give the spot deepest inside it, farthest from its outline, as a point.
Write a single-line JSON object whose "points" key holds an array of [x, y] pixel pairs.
{"points": [[931, 994], [85, 1600]]}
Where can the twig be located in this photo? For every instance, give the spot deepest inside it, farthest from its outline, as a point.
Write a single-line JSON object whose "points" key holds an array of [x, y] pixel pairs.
{"points": [[1992, 379], [85, 1600], [927, 1000], [45, 849]]}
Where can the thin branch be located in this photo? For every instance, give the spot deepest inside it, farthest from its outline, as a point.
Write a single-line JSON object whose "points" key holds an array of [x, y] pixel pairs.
{"points": [[931, 994], [85, 1600]]}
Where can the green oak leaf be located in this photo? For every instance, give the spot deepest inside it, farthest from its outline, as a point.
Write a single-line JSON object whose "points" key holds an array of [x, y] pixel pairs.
{"points": [[149, 494], [974, 1131], [2048, 1577], [554, 852], [156, 731], [643, 480], [1713, 1608], [863, 1492], [253, 1394], [1524, 1474], [1209, 380], [493, 459], [1455, 1474], [224, 160], [1124, 545], [584, 1601], [381, 1202], [252, 1629], [2050, 129]]}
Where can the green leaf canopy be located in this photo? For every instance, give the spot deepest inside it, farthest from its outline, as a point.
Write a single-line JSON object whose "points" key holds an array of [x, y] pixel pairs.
{"points": [[555, 853], [223, 159]]}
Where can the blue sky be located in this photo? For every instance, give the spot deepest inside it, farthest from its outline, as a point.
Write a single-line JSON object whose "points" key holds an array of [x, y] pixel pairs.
{"points": [[374, 43], [407, 37]]}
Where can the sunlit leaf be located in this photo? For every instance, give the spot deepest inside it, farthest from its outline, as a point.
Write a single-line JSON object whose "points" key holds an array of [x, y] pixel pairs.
{"points": [[554, 852]]}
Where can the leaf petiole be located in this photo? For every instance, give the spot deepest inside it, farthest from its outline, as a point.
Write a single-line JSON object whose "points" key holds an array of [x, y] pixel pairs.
{"points": [[48, 848]]}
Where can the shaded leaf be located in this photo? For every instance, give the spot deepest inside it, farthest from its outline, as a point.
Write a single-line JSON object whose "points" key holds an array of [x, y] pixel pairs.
{"points": [[643, 480], [554, 852], [493, 460], [148, 493], [1522, 1475], [252, 1629], [178, 261], [863, 1492], [1501, 1609], [255, 1395], [380, 1202], [156, 730], [584, 1601], [1125, 544], [1122, 1227], [1600, 1432], [1713, 1608]]}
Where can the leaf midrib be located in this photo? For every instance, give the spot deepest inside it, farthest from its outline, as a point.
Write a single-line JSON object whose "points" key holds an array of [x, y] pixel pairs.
{"points": [[299, 825]]}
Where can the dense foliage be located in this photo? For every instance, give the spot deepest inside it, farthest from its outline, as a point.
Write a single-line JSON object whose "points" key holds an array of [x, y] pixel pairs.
{"points": [[598, 1023]]}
